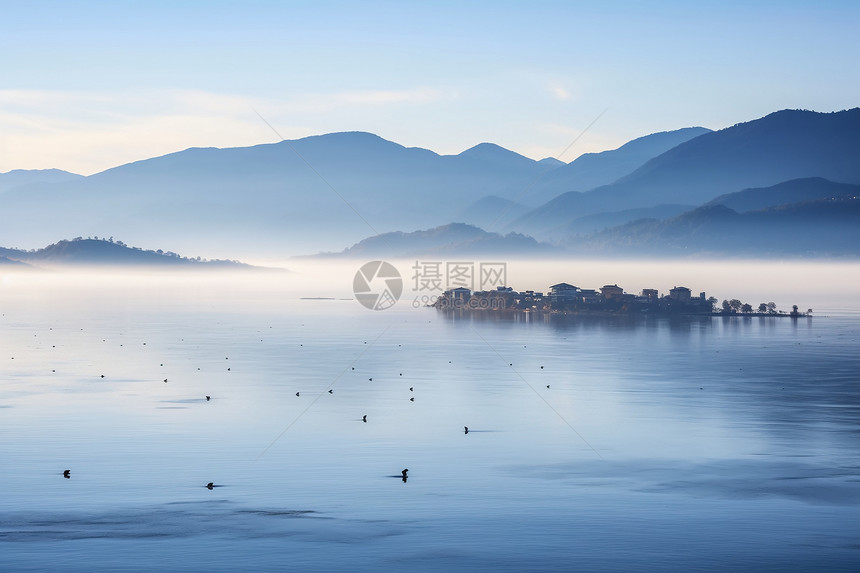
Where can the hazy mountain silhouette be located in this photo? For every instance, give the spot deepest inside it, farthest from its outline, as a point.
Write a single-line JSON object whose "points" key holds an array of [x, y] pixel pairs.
{"points": [[591, 170], [552, 162], [600, 221], [492, 212], [588, 171], [822, 227], [794, 191], [302, 195], [95, 252], [5, 261], [452, 239], [324, 192], [495, 155], [784, 145], [22, 177]]}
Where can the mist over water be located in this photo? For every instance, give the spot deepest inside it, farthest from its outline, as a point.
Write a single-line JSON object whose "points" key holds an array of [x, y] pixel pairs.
{"points": [[601, 444]]}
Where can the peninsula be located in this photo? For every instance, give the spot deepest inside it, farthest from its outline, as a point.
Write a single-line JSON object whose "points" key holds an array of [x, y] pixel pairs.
{"points": [[564, 298]]}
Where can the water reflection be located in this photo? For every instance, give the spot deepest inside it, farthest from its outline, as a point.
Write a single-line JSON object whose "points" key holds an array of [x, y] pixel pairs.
{"points": [[724, 432]]}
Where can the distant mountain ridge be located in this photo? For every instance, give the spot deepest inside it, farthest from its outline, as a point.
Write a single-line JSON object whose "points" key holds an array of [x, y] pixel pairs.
{"points": [[304, 194], [22, 177], [323, 192], [591, 170], [101, 252], [784, 145], [785, 193], [828, 227], [451, 239]]}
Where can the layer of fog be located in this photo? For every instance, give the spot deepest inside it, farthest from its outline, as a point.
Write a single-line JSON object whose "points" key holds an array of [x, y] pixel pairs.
{"points": [[822, 286]]}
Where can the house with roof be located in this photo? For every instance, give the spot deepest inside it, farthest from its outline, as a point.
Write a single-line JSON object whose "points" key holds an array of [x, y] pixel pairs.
{"points": [[563, 293], [611, 292], [680, 294]]}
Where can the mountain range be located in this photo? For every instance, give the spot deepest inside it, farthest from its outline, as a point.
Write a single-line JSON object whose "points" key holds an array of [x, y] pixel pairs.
{"points": [[451, 239], [671, 191], [782, 146], [105, 252], [24, 177], [294, 196]]}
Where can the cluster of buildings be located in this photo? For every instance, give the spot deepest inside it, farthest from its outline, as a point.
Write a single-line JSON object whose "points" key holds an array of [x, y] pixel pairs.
{"points": [[564, 297]]}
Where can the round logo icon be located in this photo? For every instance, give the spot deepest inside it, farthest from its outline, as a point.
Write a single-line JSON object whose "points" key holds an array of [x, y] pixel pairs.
{"points": [[377, 285]]}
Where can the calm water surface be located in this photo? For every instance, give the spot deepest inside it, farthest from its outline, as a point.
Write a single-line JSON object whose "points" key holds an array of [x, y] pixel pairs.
{"points": [[686, 444]]}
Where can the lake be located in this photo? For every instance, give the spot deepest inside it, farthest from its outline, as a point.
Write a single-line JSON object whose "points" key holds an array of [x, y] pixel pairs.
{"points": [[594, 443]]}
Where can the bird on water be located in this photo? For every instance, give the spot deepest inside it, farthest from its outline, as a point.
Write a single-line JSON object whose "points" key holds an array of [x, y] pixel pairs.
{"points": [[67, 474]]}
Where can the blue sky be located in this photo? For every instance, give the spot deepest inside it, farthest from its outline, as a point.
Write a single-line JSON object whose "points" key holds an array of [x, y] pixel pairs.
{"points": [[85, 86]]}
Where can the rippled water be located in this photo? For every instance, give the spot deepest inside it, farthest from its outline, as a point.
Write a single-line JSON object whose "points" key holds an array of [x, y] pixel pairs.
{"points": [[595, 444]]}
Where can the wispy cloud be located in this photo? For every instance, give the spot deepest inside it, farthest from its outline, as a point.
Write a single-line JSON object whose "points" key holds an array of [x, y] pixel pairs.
{"points": [[559, 92]]}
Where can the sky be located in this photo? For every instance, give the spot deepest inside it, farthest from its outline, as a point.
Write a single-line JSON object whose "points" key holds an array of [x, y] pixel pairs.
{"points": [[85, 86]]}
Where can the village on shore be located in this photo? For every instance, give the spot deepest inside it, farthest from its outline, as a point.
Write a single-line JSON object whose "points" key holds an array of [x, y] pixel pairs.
{"points": [[564, 298]]}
